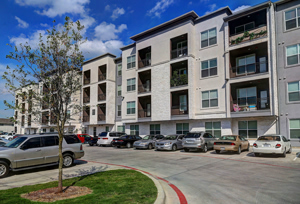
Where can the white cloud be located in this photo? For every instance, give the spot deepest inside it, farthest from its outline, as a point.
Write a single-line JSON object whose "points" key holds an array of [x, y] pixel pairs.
{"points": [[117, 13], [160, 7], [106, 31], [107, 7], [44, 25], [22, 24], [240, 8], [32, 40], [52, 8], [212, 7]]}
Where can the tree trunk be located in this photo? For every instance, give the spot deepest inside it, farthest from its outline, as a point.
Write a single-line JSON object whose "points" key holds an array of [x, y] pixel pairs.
{"points": [[60, 171]]}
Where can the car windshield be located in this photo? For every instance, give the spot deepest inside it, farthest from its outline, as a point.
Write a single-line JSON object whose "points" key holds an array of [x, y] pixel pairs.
{"points": [[16, 142], [171, 137], [148, 137], [228, 137], [103, 134], [192, 135], [269, 138]]}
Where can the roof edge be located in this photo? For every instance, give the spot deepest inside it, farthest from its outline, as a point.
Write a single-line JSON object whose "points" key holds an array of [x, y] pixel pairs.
{"points": [[214, 12], [127, 46], [99, 57]]}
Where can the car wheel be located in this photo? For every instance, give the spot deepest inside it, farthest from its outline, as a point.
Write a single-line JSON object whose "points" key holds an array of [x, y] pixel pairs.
{"points": [[174, 148], [4, 169], [118, 147], [68, 160], [239, 150], [186, 149], [290, 150], [128, 145], [91, 144], [256, 154], [284, 153], [205, 148], [150, 146], [218, 151]]}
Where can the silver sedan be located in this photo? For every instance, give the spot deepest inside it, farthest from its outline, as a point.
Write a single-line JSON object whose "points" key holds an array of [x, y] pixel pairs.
{"points": [[148, 142], [170, 142]]}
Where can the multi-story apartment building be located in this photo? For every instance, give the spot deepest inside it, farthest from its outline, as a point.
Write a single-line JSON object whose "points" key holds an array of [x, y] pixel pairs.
{"points": [[287, 17]]}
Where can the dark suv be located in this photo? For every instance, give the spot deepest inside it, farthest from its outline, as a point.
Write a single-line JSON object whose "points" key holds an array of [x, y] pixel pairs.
{"points": [[198, 141]]}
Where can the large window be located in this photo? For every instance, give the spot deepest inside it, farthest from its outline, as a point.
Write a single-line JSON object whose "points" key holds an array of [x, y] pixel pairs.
{"points": [[245, 27], [246, 96], [131, 84], [119, 69], [294, 91], [209, 37], [154, 129], [209, 68], [119, 110], [182, 128], [121, 128], [134, 130], [245, 64], [131, 107], [292, 18], [293, 54], [295, 128], [130, 61], [183, 102], [119, 89], [213, 128], [248, 128], [209, 98]]}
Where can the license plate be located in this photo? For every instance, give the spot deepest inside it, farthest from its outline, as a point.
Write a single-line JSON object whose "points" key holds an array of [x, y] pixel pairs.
{"points": [[267, 145], [189, 141], [222, 148]]}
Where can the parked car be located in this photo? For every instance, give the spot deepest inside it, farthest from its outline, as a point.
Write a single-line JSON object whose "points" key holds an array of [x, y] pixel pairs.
{"points": [[198, 141], [234, 143], [272, 144], [84, 138], [8, 136], [125, 141], [33, 151], [148, 142], [170, 142], [3, 141], [106, 138], [17, 135], [93, 141]]}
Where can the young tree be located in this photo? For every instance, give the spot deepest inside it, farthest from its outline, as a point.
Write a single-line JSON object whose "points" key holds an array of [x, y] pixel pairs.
{"points": [[55, 64]]}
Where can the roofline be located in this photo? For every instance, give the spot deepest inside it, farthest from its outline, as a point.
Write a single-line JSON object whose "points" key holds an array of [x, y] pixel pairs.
{"points": [[99, 57], [248, 11], [119, 58], [127, 46], [214, 12], [151, 30], [281, 2]]}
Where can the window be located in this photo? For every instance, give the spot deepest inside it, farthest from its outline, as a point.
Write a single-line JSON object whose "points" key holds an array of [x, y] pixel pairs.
{"points": [[32, 143], [209, 98], [119, 90], [246, 96], [295, 128], [51, 129], [130, 61], [213, 128], [44, 129], [131, 84], [209, 37], [121, 128], [70, 129], [183, 102], [209, 68], [134, 130], [294, 91], [292, 18], [119, 69], [119, 110], [245, 64], [243, 28], [182, 128], [107, 128], [248, 129], [71, 139], [154, 129], [131, 107], [95, 131], [293, 54], [50, 141]]}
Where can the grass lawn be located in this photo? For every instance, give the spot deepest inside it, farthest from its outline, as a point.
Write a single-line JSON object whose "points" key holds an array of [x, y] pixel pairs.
{"points": [[115, 186]]}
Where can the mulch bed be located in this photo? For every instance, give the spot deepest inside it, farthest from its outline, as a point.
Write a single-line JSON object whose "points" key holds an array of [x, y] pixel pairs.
{"points": [[51, 195]]}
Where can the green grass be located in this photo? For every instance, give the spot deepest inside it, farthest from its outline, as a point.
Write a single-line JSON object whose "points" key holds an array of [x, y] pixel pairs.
{"points": [[115, 186]]}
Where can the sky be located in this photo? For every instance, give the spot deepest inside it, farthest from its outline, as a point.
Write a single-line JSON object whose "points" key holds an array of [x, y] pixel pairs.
{"points": [[109, 24]]}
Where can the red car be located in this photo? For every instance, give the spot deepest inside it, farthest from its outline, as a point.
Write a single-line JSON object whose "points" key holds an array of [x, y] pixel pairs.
{"points": [[84, 138]]}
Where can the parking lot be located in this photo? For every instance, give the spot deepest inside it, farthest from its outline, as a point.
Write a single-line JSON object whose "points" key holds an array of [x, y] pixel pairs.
{"points": [[202, 177]]}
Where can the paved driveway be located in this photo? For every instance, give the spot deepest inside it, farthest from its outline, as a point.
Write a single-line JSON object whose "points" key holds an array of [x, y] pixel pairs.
{"points": [[202, 177]]}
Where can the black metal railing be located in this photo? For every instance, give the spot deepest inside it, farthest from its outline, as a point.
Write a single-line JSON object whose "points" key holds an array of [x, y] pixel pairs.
{"points": [[250, 104], [144, 63], [101, 77], [179, 52], [179, 110], [101, 97], [86, 81], [144, 113], [144, 88], [86, 99], [179, 80], [101, 117], [249, 69], [86, 118]]}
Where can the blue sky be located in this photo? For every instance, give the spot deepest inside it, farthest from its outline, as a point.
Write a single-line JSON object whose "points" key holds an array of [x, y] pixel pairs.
{"points": [[109, 24]]}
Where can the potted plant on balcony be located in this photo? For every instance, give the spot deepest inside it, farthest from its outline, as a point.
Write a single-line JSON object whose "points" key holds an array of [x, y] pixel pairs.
{"points": [[178, 79]]}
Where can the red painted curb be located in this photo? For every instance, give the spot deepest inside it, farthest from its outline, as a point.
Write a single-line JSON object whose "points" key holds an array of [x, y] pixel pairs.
{"points": [[180, 195]]}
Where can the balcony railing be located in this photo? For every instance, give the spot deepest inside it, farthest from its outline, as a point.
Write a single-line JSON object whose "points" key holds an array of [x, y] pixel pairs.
{"points": [[179, 110], [144, 88], [101, 77], [250, 104], [101, 97], [86, 99], [249, 69], [144, 113], [179, 80], [86, 119], [86, 81], [144, 63], [248, 35], [179, 52], [101, 117]]}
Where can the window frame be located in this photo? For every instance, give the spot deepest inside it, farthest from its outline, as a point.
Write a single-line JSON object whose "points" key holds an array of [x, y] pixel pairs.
{"points": [[132, 62], [121, 126], [288, 93], [119, 69], [244, 25], [155, 130], [119, 110], [135, 130], [297, 17], [293, 128], [131, 110], [245, 57], [130, 85], [209, 99], [212, 130], [247, 129], [209, 67], [182, 130], [119, 90], [298, 54], [208, 38]]}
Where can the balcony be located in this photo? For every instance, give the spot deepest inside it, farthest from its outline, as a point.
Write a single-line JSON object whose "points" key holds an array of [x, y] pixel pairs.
{"points": [[144, 107], [101, 97], [179, 110], [179, 103], [23, 120], [86, 99], [101, 117], [248, 27], [29, 120], [144, 113], [144, 57], [86, 119], [23, 108], [86, 95], [102, 72], [250, 104], [102, 92], [45, 118], [179, 74], [101, 112], [249, 69], [87, 77], [144, 88], [144, 81], [179, 46], [101, 77]]}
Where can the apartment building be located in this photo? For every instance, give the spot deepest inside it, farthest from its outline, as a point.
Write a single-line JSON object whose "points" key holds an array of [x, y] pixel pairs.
{"points": [[287, 17]]}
